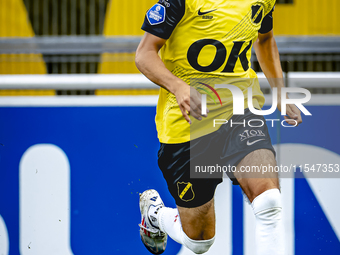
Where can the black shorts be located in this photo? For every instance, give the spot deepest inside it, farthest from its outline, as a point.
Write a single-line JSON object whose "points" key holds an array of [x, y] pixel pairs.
{"points": [[225, 147]]}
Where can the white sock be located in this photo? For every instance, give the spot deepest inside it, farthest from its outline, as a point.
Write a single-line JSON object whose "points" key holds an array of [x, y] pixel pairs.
{"points": [[269, 231], [170, 223]]}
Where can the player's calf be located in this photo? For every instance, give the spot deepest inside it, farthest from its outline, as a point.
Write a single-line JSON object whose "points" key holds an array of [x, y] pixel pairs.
{"points": [[170, 222], [192, 227]]}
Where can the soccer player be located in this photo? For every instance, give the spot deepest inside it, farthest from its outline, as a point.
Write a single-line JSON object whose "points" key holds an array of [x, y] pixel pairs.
{"points": [[209, 39]]}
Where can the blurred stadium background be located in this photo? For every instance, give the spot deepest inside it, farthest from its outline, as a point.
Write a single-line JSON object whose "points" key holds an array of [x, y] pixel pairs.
{"points": [[69, 90]]}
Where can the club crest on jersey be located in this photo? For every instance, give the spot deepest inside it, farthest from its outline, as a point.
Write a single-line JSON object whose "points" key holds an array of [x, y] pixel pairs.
{"points": [[156, 14], [185, 191], [257, 13]]}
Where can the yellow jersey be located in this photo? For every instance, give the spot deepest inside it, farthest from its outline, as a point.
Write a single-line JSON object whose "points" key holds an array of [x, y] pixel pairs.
{"points": [[206, 39]]}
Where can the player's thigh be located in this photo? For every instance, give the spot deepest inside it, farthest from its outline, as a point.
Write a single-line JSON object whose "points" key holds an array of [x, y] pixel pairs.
{"points": [[254, 183], [198, 223], [193, 196]]}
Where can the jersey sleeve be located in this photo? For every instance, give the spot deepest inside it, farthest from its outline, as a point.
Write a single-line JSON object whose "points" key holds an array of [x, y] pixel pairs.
{"points": [[267, 23], [162, 18]]}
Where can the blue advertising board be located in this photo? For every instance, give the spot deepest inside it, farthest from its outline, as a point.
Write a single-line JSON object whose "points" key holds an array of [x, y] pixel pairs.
{"points": [[70, 178]]}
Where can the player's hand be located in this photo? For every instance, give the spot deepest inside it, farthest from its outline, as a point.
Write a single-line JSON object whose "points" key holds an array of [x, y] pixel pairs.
{"points": [[293, 113], [189, 101]]}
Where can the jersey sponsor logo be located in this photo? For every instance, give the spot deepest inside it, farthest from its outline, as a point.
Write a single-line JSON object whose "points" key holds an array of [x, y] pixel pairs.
{"points": [[253, 142], [156, 14], [185, 191], [251, 133], [257, 13], [220, 57], [204, 13]]}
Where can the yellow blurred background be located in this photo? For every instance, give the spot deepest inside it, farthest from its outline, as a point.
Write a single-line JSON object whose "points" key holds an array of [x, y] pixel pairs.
{"points": [[124, 18]]}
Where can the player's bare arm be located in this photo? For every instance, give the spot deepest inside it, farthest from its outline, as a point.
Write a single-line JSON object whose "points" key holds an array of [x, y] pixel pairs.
{"points": [[268, 56], [151, 65]]}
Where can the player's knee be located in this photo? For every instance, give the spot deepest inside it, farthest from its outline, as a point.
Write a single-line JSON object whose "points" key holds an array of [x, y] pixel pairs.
{"points": [[198, 246], [268, 205]]}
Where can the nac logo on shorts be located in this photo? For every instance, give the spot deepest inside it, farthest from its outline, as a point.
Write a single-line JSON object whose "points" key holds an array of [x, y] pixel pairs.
{"points": [[185, 191], [257, 13]]}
